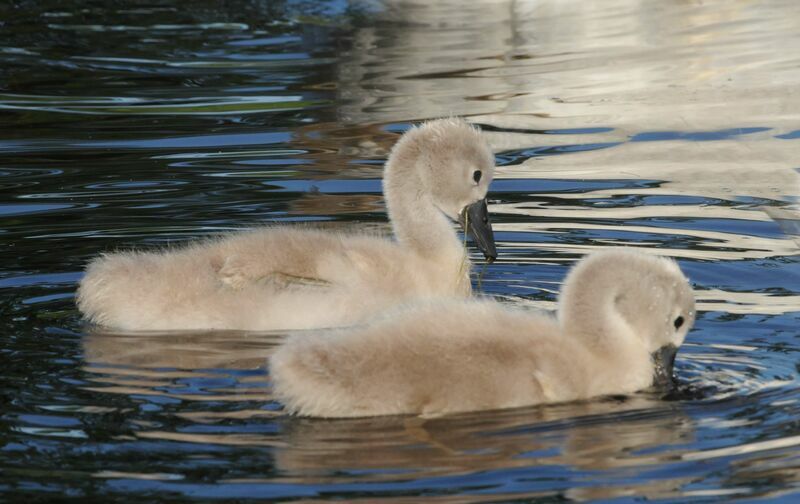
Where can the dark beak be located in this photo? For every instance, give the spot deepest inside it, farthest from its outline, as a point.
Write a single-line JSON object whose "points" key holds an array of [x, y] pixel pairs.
{"points": [[474, 219], [664, 360]]}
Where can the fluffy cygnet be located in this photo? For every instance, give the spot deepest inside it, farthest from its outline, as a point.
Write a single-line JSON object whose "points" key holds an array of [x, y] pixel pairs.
{"points": [[298, 278], [622, 316]]}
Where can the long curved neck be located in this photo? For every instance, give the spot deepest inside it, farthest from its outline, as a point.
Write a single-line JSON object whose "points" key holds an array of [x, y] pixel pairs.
{"points": [[587, 309], [417, 222], [589, 314]]}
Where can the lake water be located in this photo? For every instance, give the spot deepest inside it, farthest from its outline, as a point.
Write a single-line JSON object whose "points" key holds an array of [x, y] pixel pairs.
{"points": [[672, 126]]}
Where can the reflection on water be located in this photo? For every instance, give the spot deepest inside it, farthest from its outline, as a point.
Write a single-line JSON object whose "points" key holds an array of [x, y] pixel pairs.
{"points": [[677, 67], [209, 370], [672, 126]]}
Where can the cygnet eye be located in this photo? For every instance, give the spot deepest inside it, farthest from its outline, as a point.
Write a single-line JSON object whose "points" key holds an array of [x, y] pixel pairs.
{"points": [[476, 176], [678, 322]]}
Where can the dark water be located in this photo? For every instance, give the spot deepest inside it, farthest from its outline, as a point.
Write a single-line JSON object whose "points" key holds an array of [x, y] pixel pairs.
{"points": [[667, 125]]}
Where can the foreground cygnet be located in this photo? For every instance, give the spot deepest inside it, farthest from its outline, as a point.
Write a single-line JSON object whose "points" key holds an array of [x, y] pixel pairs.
{"points": [[622, 316], [298, 278]]}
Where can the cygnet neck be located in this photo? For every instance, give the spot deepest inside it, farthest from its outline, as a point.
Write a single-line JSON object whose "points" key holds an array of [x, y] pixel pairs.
{"points": [[416, 220], [589, 313]]}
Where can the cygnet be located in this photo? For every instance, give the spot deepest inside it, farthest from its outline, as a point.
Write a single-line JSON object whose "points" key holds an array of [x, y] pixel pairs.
{"points": [[622, 316], [284, 277]]}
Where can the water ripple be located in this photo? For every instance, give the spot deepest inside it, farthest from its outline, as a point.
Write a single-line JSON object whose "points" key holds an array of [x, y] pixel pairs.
{"points": [[670, 127]]}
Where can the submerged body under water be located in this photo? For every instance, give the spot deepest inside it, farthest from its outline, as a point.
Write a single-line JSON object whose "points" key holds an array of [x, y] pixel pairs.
{"points": [[671, 127]]}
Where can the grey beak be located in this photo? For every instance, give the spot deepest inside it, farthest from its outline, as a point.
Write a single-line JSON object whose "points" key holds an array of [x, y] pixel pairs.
{"points": [[474, 219], [664, 360]]}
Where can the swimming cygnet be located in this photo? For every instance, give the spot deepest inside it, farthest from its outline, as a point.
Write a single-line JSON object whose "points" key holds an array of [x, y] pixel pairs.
{"points": [[299, 277], [622, 316]]}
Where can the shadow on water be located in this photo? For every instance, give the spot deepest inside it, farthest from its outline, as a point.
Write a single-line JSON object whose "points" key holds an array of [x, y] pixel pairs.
{"points": [[670, 126]]}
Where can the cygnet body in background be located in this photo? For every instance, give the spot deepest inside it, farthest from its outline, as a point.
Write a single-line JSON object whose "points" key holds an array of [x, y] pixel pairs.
{"points": [[296, 277]]}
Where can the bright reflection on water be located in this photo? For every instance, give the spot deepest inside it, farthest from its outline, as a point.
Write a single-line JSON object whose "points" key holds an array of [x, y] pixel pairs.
{"points": [[672, 126]]}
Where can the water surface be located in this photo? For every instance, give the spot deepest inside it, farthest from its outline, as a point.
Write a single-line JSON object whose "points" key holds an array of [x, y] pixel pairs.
{"points": [[671, 126]]}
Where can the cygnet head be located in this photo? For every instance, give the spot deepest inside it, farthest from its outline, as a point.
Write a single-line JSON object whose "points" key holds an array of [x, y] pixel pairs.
{"points": [[623, 299], [449, 162]]}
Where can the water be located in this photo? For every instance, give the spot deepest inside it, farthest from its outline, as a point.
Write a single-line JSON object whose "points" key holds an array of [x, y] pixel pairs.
{"points": [[672, 126]]}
